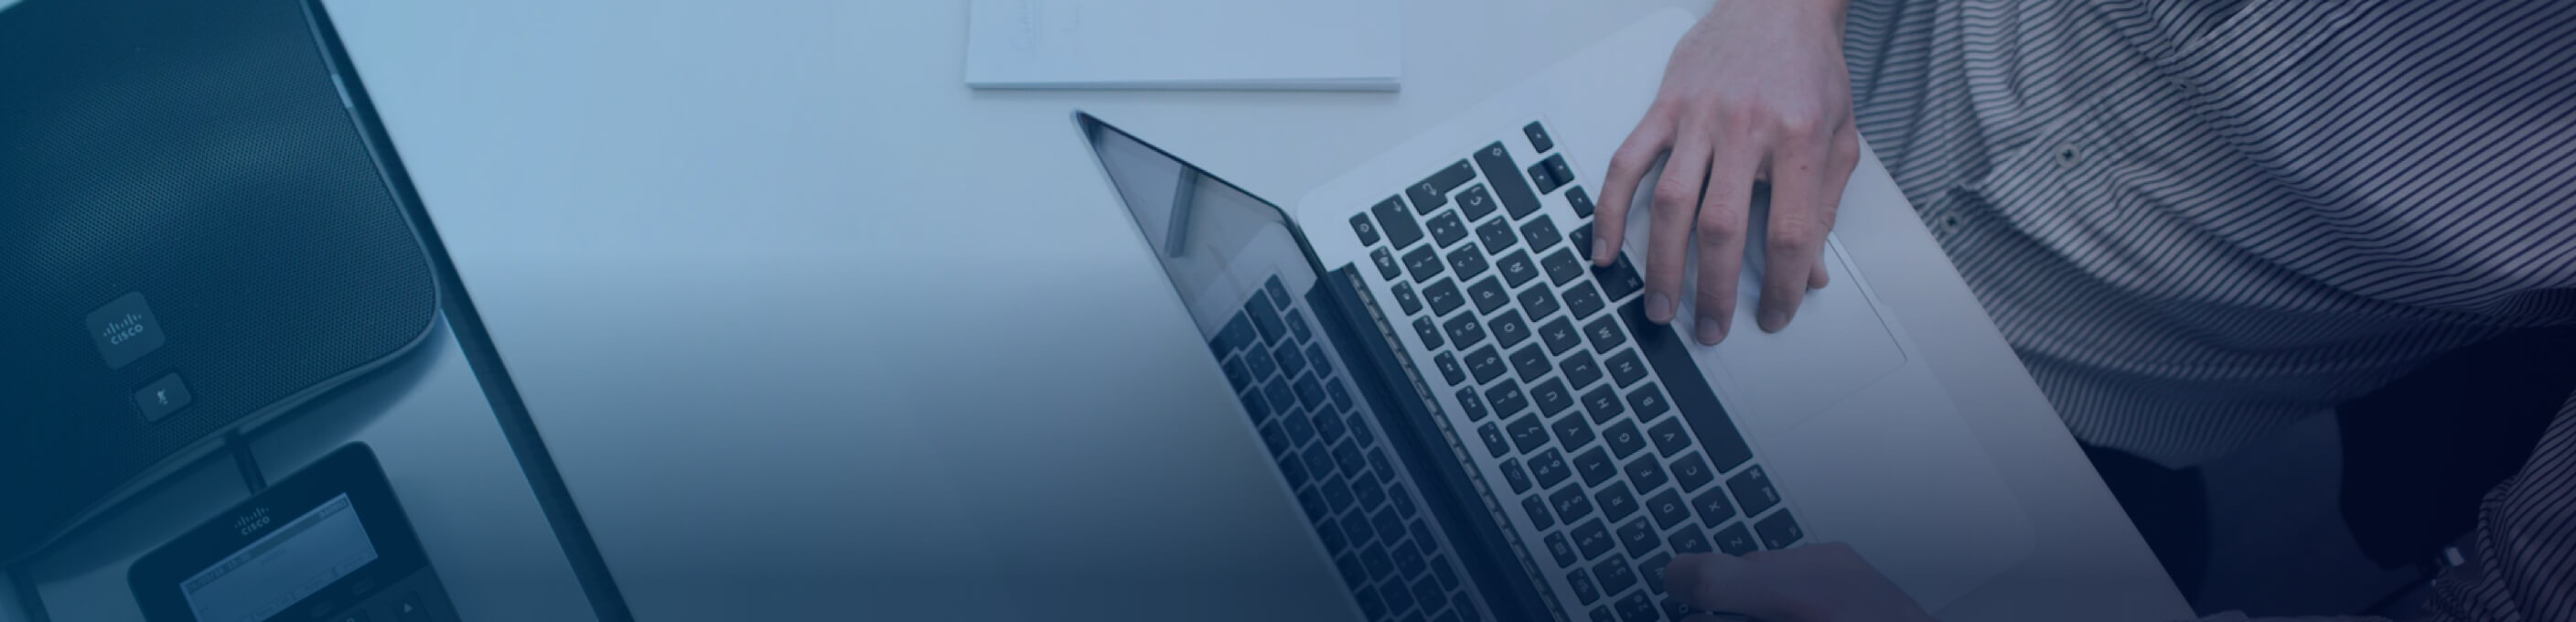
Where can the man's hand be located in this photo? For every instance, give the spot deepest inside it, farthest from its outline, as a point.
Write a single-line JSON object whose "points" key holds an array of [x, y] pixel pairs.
{"points": [[1757, 90], [1815, 583]]}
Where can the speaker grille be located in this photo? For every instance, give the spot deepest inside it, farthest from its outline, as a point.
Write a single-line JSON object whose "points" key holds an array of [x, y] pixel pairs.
{"points": [[196, 151]]}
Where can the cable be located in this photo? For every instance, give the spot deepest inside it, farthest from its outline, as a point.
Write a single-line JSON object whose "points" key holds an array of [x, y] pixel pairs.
{"points": [[248, 465]]}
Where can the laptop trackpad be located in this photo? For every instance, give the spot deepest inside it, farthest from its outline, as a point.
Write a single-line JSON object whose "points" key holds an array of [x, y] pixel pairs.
{"points": [[1835, 346]]}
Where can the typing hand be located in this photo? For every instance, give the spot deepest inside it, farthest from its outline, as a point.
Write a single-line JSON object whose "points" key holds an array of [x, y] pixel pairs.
{"points": [[1816, 583], [1757, 90]]}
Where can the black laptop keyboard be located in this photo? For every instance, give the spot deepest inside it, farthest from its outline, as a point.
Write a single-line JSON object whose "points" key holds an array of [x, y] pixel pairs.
{"points": [[1374, 527], [1563, 382]]}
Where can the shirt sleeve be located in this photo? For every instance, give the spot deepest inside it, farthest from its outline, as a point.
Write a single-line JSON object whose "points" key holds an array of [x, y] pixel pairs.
{"points": [[2524, 567]]}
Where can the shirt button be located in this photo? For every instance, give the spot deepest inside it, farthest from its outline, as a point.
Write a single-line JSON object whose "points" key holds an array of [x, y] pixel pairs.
{"points": [[2070, 155]]}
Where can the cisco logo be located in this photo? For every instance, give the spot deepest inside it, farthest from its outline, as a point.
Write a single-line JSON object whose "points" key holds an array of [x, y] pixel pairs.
{"points": [[124, 330], [251, 523]]}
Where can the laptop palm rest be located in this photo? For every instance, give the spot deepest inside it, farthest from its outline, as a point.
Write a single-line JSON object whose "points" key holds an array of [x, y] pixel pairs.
{"points": [[1834, 347]]}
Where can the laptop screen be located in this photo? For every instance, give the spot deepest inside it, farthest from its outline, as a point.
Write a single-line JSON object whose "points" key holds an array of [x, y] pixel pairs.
{"points": [[1218, 243]]}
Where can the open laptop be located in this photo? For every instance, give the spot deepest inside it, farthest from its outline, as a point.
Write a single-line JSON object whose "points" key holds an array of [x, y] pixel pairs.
{"points": [[1479, 424]]}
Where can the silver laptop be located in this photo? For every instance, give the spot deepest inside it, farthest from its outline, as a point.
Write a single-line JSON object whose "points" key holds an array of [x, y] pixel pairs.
{"points": [[1479, 424]]}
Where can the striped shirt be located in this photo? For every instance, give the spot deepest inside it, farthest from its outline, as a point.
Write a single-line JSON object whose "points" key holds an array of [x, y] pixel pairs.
{"points": [[2199, 221]]}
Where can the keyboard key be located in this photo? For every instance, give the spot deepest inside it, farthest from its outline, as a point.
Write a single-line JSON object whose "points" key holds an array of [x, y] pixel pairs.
{"points": [[1645, 473], [1506, 178], [1275, 437], [1581, 239], [1712, 506], [1253, 405], [1353, 526], [1581, 301], [1312, 499], [1604, 613], [1778, 531], [1355, 462], [1427, 592], [1464, 330], [1689, 540], [1400, 229], [1265, 318], [1278, 294], [1376, 561], [1236, 374], [1488, 295], [1283, 400], [1370, 606], [1539, 516], [1691, 472], [1616, 503], [1379, 465], [1408, 556], [1329, 426], [1293, 469], [1627, 368], [1403, 501], [1443, 296], [1514, 475], [1323, 367], [1538, 138], [1552, 397], [1467, 261], [1614, 574], [1624, 438], [1592, 538], [1310, 393], [1637, 608], [1352, 574], [1496, 235], [1538, 302], [1580, 370], [1495, 442], [1528, 433], [1572, 432], [1668, 509], [1560, 335], [1485, 364], [1581, 583], [1506, 398], [1336, 493], [1544, 178], [1753, 490], [1674, 610], [1595, 466], [1669, 437], [1509, 331], [1442, 570], [1549, 468], [1319, 460], [1475, 203], [1446, 229], [1541, 234], [1366, 229], [1570, 504], [1429, 332], [1474, 405], [1423, 263], [1387, 268], [1517, 268], [1582, 202], [1449, 369], [1291, 359], [1433, 191], [1399, 599], [1404, 298], [1561, 266], [1649, 402], [1558, 170], [1530, 361], [1561, 548], [1235, 335], [1619, 280], [1603, 403], [1735, 540]]}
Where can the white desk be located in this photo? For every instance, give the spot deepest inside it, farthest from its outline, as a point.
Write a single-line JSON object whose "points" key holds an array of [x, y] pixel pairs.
{"points": [[757, 266]]}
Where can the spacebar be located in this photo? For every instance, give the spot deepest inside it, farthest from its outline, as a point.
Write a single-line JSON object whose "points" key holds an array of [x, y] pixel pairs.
{"points": [[1670, 356]]}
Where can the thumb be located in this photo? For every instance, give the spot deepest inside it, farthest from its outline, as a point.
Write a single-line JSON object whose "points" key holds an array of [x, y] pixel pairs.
{"points": [[1718, 582]]}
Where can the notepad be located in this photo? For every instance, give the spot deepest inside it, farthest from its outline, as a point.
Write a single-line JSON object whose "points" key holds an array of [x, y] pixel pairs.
{"points": [[1185, 44]]}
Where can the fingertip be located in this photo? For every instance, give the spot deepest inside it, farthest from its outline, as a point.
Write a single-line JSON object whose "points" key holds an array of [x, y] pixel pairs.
{"points": [[1772, 319]]}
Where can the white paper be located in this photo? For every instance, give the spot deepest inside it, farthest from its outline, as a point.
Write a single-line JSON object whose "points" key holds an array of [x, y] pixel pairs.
{"points": [[1184, 44]]}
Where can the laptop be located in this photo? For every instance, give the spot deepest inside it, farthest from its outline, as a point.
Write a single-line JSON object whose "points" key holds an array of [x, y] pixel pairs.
{"points": [[1479, 424]]}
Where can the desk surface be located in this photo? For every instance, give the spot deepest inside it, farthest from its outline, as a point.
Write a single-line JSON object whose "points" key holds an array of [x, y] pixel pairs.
{"points": [[756, 267]]}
